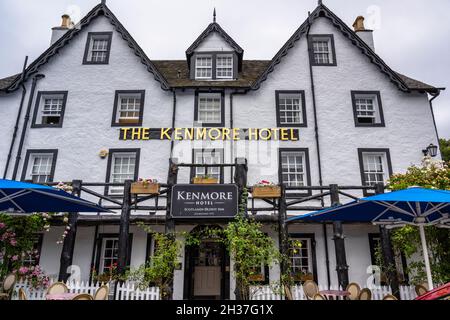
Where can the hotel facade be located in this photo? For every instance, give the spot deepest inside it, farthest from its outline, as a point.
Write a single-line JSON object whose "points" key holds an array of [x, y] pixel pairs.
{"points": [[325, 116]]}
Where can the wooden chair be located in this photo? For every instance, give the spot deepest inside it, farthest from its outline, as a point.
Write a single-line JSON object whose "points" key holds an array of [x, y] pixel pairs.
{"points": [[420, 290], [22, 294], [8, 286], [57, 288], [83, 296], [310, 289], [354, 290], [318, 296], [389, 297], [365, 294], [102, 293]]}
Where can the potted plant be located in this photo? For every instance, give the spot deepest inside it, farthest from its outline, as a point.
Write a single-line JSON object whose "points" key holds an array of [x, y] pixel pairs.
{"points": [[205, 179], [266, 189], [145, 186]]}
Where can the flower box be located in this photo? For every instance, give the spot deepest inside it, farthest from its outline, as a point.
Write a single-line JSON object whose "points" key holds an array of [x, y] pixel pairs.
{"points": [[144, 188], [262, 192], [128, 121], [203, 180], [256, 278]]}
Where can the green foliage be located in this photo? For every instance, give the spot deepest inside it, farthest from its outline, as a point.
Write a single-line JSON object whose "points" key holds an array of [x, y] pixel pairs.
{"points": [[436, 175], [160, 269], [445, 149]]}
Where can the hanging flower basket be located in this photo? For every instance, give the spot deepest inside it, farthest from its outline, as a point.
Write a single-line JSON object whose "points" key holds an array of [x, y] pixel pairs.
{"points": [[145, 186], [205, 180], [265, 189]]}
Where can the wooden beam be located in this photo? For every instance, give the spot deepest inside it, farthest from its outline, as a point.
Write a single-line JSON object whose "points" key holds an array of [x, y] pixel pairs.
{"points": [[124, 228]]}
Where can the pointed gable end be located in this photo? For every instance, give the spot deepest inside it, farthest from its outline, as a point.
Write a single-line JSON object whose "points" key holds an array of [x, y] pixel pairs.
{"points": [[100, 9]]}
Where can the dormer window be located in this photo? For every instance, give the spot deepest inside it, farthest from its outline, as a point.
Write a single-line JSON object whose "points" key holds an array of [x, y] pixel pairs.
{"points": [[224, 66], [203, 67]]}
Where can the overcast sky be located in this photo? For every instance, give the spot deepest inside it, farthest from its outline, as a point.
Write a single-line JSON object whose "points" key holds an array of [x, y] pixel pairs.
{"points": [[412, 36]]}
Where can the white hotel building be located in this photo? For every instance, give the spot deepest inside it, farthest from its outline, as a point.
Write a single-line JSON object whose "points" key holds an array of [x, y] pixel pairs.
{"points": [[354, 122]]}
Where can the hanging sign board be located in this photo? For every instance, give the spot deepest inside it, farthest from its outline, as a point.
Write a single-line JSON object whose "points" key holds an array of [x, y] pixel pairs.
{"points": [[204, 201]]}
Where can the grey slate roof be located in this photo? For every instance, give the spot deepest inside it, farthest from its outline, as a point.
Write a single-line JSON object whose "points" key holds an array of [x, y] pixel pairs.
{"points": [[6, 82]]}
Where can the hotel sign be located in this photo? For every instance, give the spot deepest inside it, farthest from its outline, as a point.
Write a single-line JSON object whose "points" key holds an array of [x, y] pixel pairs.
{"points": [[199, 133], [204, 201]]}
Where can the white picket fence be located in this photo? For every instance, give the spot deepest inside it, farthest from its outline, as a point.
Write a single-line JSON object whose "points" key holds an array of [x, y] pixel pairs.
{"points": [[123, 291], [266, 292]]}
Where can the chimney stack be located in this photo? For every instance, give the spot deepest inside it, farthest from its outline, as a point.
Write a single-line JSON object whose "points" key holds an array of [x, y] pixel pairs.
{"points": [[58, 32], [365, 34]]}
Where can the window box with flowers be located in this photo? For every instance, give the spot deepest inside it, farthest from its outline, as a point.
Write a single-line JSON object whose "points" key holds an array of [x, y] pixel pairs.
{"points": [[145, 186], [205, 180], [266, 189]]}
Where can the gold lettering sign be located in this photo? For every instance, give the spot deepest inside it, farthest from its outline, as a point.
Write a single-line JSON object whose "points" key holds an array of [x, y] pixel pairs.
{"points": [[213, 134]]}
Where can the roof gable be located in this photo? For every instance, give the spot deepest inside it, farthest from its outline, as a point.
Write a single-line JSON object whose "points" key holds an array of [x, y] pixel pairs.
{"points": [[214, 27], [322, 11], [100, 9]]}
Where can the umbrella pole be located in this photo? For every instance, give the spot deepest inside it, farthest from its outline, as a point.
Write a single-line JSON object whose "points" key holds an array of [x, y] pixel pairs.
{"points": [[426, 257]]}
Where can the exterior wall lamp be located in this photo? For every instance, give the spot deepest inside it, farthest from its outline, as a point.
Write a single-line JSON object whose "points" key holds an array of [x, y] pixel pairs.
{"points": [[431, 150]]}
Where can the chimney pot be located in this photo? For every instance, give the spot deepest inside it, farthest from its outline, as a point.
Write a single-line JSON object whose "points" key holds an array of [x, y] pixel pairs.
{"points": [[65, 23], [358, 25]]}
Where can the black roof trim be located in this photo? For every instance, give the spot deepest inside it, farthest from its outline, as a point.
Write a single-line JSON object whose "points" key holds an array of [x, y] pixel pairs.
{"points": [[65, 39], [323, 11], [214, 27]]}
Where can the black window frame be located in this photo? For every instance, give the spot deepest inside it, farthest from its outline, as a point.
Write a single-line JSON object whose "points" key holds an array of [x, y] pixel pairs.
{"points": [[312, 237], [311, 38], [361, 152], [222, 106], [37, 106], [306, 193], [90, 36], [304, 123], [111, 152], [377, 94], [114, 121], [99, 245], [212, 150], [30, 152]]}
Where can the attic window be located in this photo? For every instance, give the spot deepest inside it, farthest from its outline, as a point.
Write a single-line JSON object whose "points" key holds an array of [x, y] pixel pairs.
{"points": [[322, 50], [203, 67], [224, 66], [98, 47]]}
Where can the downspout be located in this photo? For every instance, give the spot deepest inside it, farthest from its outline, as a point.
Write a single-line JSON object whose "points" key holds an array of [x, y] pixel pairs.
{"points": [[174, 111], [236, 91], [16, 127], [316, 132], [25, 124], [432, 112]]}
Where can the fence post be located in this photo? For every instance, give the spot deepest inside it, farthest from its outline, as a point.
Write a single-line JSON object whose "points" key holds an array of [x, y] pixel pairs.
{"points": [[69, 240], [172, 179], [339, 242], [388, 253], [124, 228]]}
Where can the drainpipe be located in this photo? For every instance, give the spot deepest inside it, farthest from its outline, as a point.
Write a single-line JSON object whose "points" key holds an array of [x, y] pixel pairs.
{"points": [[434, 96], [235, 92], [16, 127], [36, 78], [316, 131], [173, 120]]}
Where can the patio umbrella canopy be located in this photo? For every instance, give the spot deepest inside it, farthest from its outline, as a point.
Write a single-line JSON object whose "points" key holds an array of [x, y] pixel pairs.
{"points": [[25, 197], [414, 206]]}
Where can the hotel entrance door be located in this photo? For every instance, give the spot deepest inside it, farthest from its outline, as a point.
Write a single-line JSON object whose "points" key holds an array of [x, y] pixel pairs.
{"points": [[207, 271]]}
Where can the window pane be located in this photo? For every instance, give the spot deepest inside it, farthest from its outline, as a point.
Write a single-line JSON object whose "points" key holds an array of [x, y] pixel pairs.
{"points": [[203, 67], [366, 109], [224, 67], [208, 157], [321, 51], [109, 254], [41, 167], [129, 108], [290, 109], [122, 168], [374, 171], [209, 108], [98, 48], [292, 168], [301, 258]]}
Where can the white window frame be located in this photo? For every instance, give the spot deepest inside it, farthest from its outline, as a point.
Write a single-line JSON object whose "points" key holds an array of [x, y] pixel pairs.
{"points": [[228, 68], [212, 108], [283, 108], [32, 165], [103, 252], [367, 171], [363, 111], [299, 256], [298, 169], [115, 190], [320, 52], [136, 106], [208, 156], [52, 112], [104, 50], [201, 68]]}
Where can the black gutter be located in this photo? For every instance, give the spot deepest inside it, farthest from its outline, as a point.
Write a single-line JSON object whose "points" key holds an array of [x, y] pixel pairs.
{"points": [[316, 130], [232, 126], [432, 112], [25, 124], [16, 127], [173, 120]]}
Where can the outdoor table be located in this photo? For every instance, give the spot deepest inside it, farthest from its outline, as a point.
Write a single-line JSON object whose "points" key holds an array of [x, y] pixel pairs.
{"points": [[61, 296], [335, 294]]}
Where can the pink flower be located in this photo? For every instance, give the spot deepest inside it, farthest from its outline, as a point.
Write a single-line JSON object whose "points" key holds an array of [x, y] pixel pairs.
{"points": [[15, 258], [23, 270], [13, 242], [2, 225]]}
